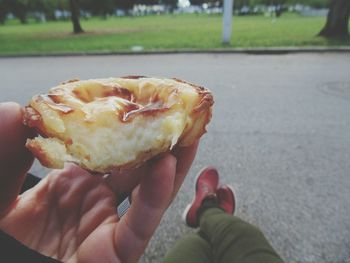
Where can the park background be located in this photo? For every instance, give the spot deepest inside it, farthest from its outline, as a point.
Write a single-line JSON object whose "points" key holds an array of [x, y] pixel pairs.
{"points": [[114, 26], [280, 128]]}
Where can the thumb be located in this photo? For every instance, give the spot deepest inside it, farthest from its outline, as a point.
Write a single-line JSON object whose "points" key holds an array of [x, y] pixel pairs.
{"points": [[15, 159]]}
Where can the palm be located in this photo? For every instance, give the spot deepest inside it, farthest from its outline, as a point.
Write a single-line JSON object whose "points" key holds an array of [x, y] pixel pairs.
{"points": [[71, 215]]}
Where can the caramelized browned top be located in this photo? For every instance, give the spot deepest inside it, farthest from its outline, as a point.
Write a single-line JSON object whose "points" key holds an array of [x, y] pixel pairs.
{"points": [[53, 101], [88, 94], [69, 97], [128, 107], [150, 109], [133, 77]]}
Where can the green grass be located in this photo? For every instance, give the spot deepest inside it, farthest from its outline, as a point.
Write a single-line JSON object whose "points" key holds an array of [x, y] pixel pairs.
{"points": [[166, 32]]}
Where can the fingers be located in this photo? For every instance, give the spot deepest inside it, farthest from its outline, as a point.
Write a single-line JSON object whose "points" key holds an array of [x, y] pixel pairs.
{"points": [[185, 157], [149, 203], [15, 159], [122, 183]]}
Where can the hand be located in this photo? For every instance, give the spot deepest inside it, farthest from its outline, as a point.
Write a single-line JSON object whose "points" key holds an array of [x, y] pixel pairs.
{"points": [[71, 215]]}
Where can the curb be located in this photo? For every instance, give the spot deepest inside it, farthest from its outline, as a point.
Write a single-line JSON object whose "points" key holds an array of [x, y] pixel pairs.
{"points": [[254, 51]]}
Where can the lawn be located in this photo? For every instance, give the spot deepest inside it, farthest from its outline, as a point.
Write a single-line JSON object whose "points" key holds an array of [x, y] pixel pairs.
{"points": [[159, 33]]}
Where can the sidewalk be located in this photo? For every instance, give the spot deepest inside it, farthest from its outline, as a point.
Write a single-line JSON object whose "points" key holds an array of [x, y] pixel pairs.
{"points": [[256, 50]]}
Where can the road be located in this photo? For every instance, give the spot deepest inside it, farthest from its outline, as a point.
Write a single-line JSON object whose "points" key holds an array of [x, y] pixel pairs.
{"points": [[280, 135]]}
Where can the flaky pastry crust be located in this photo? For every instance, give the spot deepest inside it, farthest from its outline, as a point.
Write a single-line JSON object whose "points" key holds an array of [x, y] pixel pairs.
{"points": [[116, 123]]}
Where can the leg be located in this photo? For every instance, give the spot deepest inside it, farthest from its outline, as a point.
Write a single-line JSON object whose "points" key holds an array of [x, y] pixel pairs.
{"points": [[230, 239], [192, 248], [233, 240]]}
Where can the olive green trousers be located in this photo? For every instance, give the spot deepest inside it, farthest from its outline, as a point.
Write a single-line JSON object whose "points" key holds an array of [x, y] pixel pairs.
{"points": [[223, 238]]}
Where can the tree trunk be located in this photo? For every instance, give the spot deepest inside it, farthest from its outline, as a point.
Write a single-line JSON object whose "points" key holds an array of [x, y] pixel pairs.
{"points": [[23, 18], [278, 10], [2, 17], [337, 20], [74, 9], [3, 12]]}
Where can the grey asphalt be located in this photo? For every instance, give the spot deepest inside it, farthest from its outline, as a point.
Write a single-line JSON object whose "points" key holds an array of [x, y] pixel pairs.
{"points": [[280, 135]]}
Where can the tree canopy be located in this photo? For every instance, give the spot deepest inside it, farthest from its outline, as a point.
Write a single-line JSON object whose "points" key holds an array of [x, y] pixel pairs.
{"points": [[21, 8]]}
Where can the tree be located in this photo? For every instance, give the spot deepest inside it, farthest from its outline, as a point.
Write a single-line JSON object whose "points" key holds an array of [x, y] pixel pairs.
{"points": [[337, 20], [147, 2], [172, 4], [62, 4], [316, 3], [4, 9], [238, 4], [278, 5], [125, 5], [210, 2], [197, 2], [20, 9], [74, 9], [47, 7], [99, 7]]}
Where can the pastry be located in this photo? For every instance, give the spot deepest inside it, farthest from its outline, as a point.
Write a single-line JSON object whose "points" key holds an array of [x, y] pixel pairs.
{"points": [[116, 123]]}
